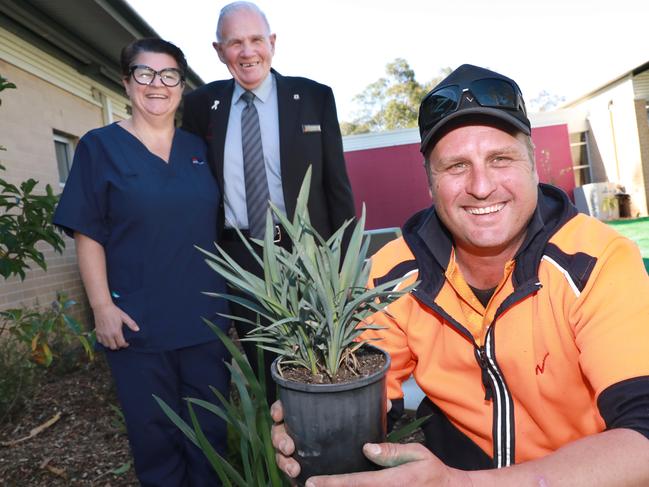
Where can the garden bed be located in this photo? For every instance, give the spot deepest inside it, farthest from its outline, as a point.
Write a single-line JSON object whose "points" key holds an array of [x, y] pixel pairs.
{"points": [[86, 446]]}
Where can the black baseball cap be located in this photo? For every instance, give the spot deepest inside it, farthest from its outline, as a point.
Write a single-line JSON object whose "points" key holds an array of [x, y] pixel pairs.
{"points": [[471, 91]]}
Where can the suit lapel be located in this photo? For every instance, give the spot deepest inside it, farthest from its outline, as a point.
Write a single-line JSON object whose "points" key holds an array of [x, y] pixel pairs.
{"points": [[219, 114], [288, 107]]}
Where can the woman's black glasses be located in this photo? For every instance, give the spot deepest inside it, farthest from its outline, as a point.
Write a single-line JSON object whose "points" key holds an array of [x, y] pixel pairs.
{"points": [[144, 75]]}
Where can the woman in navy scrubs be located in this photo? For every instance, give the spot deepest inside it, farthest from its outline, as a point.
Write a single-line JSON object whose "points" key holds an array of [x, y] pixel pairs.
{"points": [[139, 198]]}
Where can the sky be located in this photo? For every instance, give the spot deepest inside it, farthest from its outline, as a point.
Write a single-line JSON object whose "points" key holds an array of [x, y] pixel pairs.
{"points": [[565, 47]]}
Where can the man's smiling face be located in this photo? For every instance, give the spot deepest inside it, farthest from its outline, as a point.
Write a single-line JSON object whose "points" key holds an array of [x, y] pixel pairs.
{"points": [[246, 47], [484, 187]]}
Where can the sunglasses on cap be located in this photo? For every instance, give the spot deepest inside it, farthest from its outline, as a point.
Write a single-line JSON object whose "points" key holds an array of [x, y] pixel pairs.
{"points": [[485, 92]]}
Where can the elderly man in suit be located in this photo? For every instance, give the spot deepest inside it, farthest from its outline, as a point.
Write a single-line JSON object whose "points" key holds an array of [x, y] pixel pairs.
{"points": [[264, 130]]}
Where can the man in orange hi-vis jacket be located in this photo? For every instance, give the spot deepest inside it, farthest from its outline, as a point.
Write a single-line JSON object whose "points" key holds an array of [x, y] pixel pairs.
{"points": [[529, 328]]}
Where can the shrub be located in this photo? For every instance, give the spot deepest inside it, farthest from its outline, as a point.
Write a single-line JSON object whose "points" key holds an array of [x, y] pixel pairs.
{"points": [[25, 220], [17, 378], [31, 339], [248, 419]]}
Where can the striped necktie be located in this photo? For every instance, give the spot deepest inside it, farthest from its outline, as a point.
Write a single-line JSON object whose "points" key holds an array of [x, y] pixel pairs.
{"points": [[254, 169]]}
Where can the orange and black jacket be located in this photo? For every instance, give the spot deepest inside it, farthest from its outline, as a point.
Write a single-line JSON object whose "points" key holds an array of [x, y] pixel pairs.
{"points": [[560, 351]]}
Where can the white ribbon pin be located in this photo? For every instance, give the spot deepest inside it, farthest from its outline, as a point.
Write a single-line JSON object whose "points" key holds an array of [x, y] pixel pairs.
{"points": [[215, 105]]}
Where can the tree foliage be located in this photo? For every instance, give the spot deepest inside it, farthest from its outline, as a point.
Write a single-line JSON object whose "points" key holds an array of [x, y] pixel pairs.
{"points": [[391, 102]]}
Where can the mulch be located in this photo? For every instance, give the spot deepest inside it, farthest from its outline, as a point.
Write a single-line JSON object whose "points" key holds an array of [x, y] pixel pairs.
{"points": [[86, 446]]}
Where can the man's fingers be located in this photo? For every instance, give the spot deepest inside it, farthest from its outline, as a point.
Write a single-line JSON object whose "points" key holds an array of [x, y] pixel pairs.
{"points": [[394, 454], [277, 412], [281, 441], [384, 454], [287, 465]]}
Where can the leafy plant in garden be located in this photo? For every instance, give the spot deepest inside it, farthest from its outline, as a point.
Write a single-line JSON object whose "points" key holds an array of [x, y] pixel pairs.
{"points": [[25, 220], [314, 296], [37, 330], [248, 421], [17, 378], [31, 339]]}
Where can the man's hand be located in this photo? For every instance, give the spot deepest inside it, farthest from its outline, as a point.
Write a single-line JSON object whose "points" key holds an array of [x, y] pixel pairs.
{"points": [[411, 464], [108, 325], [283, 443]]}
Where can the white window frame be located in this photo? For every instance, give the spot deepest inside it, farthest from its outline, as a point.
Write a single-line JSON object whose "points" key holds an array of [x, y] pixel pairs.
{"points": [[586, 143], [68, 142]]}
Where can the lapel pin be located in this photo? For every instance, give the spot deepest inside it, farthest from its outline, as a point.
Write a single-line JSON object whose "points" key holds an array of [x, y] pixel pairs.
{"points": [[215, 105], [296, 96], [197, 161]]}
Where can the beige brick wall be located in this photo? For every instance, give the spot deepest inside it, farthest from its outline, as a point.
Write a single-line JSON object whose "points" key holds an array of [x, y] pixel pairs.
{"points": [[29, 115]]}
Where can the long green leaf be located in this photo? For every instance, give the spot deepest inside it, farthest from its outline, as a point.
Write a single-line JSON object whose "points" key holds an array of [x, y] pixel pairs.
{"points": [[406, 430], [177, 420], [221, 466]]}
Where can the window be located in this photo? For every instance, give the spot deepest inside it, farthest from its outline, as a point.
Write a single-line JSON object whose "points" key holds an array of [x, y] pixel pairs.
{"points": [[580, 149], [63, 146]]}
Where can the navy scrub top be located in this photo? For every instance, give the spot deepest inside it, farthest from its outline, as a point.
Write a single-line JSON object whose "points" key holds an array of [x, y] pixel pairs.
{"points": [[148, 215]]}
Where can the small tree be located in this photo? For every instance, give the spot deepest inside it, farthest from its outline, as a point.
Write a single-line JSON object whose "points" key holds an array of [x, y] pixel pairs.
{"points": [[391, 102], [25, 220]]}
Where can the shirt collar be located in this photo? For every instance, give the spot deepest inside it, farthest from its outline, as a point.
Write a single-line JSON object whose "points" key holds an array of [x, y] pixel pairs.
{"points": [[262, 92]]}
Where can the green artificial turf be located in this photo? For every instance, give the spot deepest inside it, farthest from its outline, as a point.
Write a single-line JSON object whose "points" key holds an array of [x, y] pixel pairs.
{"points": [[638, 231]]}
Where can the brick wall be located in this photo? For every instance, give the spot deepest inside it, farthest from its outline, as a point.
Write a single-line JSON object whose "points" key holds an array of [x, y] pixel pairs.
{"points": [[29, 116]]}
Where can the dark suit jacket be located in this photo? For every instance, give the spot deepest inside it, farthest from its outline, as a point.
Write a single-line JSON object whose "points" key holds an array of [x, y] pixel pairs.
{"points": [[301, 102]]}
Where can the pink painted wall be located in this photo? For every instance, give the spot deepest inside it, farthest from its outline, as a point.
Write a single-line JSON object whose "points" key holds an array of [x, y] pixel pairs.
{"points": [[553, 156], [391, 181]]}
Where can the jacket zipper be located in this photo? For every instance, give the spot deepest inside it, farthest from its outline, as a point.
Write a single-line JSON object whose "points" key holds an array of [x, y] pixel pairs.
{"points": [[503, 408], [496, 390]]}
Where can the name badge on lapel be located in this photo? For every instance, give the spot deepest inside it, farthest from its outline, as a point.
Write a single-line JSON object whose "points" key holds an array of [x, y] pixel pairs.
{"points": [[311, 128]]}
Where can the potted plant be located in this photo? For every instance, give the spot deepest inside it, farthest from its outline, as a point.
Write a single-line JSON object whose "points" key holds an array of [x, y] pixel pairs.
{"points": [[331, 380]]}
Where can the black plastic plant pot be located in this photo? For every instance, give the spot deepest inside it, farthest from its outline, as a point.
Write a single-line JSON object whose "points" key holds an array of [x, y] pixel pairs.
{"points": [[329, 423]]}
